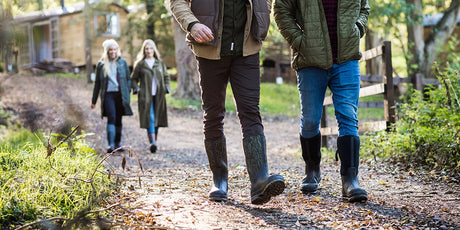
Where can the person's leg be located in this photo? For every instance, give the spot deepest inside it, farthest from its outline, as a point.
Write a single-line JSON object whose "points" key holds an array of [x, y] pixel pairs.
{"points": [[213, 83], [245, 82], [345, 85], [110, 111], [312, 84], [214, 76], [151, 129], [118, 121]]}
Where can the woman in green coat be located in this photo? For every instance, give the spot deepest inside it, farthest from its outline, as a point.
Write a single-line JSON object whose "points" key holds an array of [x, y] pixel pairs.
{"points": [[150, 81]]}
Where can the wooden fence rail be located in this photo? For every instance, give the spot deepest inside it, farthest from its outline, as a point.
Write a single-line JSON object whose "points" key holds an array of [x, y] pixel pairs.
{"points": [[383, 85]]}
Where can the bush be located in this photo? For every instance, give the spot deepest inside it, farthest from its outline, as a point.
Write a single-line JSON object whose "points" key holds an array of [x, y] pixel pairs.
{"points": [[38, 182], [427, 131]]}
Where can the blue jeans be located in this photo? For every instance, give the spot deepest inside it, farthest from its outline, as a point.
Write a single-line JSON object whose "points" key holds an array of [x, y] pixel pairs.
{"points": [[151, 128], [113, 108], [344, 82]]}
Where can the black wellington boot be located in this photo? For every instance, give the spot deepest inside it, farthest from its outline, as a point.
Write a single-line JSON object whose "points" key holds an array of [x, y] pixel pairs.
{"points": [[153, 145], [263, 187], [348, 149], [217, 156], [311, 154]]}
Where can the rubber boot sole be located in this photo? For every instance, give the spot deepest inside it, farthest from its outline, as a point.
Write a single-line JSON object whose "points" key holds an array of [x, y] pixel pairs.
{"points": [[218, 197], [355, 197], [274, 188], [309, 189]]}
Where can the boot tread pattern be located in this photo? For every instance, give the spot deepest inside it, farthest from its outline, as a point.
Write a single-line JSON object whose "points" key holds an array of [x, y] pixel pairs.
{"points": [[357, 195], [218, 197], [272, 189]]}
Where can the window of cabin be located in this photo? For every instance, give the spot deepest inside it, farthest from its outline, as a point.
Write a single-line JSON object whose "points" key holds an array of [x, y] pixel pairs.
{"points": [[107, 24]]}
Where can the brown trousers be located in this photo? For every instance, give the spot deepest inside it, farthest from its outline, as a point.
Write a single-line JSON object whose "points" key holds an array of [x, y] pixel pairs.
{"points": [[244, 76]]}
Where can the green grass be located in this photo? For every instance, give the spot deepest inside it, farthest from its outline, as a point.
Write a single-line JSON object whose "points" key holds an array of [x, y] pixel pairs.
{"points": [[180, 103], [278, 100], [274, 100], [80, 75], [34, 186]]}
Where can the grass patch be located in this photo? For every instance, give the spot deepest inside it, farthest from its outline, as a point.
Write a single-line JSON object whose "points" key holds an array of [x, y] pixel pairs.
{"points": [[80, 75], [274, 100], [180, 103], [277, 100], [34, 186]]}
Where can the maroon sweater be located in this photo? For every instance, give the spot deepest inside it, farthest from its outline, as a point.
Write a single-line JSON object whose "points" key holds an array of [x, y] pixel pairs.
{"points": [[330, 10]]}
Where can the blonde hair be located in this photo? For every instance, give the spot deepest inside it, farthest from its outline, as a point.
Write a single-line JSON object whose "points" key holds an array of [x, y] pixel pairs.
{"points": [[105, 56], [141, 54]]}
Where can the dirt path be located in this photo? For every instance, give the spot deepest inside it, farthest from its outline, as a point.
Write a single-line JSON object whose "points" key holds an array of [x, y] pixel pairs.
{"points": [[171, 193]]}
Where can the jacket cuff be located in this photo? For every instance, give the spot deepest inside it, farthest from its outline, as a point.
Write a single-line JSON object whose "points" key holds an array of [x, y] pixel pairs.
{"points": [[189, 27]]}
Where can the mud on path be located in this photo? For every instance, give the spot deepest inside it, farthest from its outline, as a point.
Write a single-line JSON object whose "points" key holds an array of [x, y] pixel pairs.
{"points": [[171, 193]]}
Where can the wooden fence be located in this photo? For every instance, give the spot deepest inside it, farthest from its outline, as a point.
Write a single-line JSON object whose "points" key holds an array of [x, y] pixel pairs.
{"points": [[383, 85]]}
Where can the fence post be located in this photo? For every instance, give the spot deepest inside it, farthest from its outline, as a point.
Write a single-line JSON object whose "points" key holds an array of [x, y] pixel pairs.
{"points": [[417, 82], [388, 96]]}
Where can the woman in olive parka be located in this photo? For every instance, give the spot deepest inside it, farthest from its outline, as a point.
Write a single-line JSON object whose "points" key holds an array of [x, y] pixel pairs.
{"points": [[150, 81]]}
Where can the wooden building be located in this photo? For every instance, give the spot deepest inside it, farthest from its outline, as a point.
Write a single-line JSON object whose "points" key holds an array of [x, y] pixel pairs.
{"points": [[277, 62], [60, 33]]}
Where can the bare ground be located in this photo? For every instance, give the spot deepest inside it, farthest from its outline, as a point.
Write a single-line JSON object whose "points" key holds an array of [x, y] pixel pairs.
{"points": [[171, 190]]}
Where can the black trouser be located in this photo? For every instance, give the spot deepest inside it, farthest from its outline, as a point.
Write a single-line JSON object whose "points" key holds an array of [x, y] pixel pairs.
{"points": [[244, 76], [113, 108]]}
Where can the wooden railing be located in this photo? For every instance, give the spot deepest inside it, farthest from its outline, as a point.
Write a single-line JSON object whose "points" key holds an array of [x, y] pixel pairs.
{"points": [[384, 86]]}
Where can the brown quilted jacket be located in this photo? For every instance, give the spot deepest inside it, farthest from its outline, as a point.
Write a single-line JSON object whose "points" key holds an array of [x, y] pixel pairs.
{"points": [[209, 13]]}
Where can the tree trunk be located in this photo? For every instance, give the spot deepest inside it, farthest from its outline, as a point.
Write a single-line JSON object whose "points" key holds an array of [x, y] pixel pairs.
{"points": [[415, 39], [150, 5], [425, 51], [439, 35], [40, 5], [187, 73], [373, 66], [89, 62]]}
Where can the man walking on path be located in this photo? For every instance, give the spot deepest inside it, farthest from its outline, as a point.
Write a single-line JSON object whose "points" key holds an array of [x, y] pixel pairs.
{"points": [[226, 37], [324, 38]]}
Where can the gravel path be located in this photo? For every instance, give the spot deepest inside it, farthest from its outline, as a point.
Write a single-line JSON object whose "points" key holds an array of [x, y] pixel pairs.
{"points": [[171, 191]]}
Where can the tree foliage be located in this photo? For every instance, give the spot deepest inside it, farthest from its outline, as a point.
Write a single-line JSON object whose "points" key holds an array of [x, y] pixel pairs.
{"points": [[403, 20]]}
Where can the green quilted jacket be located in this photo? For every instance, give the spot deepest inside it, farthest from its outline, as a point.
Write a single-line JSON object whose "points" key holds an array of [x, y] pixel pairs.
{"points": [[303, 24]]}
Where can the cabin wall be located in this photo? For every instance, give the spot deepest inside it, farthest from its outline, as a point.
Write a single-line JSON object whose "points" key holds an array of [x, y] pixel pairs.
{"points": [[97, 48], [73, 38]]}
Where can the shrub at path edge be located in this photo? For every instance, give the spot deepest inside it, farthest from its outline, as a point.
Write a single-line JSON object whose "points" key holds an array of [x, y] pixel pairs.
{"points": [[427, 131], [34, 186]]}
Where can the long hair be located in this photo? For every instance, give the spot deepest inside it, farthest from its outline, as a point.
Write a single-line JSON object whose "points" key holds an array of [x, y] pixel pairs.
{"points": [[105, 55], [141, 54]]}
